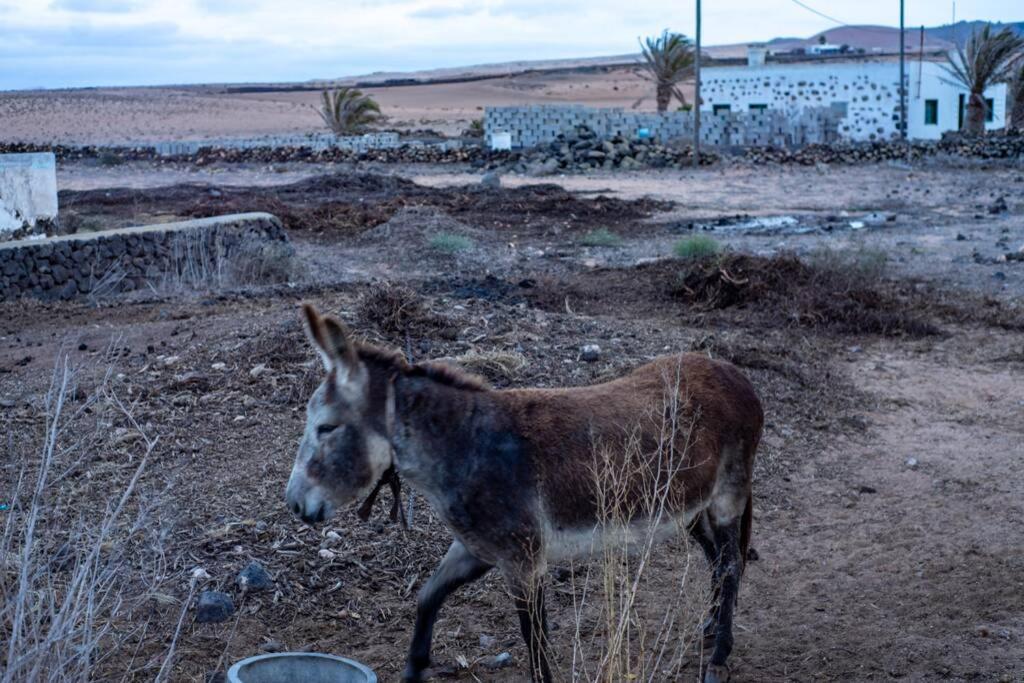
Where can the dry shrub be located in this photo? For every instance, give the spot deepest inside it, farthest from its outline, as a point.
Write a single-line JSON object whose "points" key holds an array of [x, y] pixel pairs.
{"points": [[398, 310], [638, 610], [69, 578], [845, 291]]}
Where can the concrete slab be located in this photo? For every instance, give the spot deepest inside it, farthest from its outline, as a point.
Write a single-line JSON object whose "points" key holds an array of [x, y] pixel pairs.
{"points": [[28, 191]]}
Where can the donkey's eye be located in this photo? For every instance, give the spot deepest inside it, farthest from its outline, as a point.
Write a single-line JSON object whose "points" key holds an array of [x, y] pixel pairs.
{"points": [[325, 429]]}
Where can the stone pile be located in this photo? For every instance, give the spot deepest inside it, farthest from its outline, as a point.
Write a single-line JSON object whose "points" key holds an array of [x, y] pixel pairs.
{"points": [[125, 260], [584, 150]]}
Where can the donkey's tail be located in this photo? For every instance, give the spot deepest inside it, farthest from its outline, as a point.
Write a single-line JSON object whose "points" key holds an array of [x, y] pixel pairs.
{"points": [[745, 530]]}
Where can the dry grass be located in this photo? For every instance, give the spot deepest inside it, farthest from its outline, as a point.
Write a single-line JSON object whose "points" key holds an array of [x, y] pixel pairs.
{"points": [[640, 605], [69, 579], [494, 365]]}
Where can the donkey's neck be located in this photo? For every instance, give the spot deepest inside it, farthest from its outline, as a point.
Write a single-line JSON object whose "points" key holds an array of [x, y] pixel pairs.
{"points": [[442, 430]]}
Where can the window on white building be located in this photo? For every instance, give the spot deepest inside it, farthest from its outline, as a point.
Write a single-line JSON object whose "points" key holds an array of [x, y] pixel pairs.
{"points": [[758, 107], [720, 109], [931, 112]]}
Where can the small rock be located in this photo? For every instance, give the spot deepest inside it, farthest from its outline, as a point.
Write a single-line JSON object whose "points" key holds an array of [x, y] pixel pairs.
{"points": [[491, 181], [497, 661], [326, 554], [960, 237], [487, 642], [213, 607], [258, 370], [83, 346], [866, 489], [199, 575], [219, 366], [590, 353], [998, 206], [911, 463], [273, 646], [253, 578]]}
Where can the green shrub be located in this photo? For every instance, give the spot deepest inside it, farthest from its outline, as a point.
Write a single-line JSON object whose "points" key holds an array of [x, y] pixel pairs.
{"points": [[696, 247], [602, 237], [450, 243]]}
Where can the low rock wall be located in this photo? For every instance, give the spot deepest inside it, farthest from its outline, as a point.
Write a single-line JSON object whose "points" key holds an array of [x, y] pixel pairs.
{"points": [[221, 250]]}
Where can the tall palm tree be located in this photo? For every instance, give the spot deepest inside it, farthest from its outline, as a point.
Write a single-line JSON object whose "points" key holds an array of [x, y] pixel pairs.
{"points": [[668, 59], [348, 110], [986, 60]]}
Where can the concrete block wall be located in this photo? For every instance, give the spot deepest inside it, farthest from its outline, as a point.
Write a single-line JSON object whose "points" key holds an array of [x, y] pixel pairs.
{"points": [[28, 191], [127, 259], [317, 142], [540, 124]]}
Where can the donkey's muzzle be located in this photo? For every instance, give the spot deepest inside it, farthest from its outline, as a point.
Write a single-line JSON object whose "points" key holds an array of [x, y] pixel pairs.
{"points": [[311, 516]]}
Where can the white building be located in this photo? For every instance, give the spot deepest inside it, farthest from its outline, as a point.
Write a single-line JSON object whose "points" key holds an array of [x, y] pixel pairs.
{"points": [[866, 90]]}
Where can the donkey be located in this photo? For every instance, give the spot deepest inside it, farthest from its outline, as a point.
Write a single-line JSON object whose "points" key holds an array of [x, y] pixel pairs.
{"points": [[509, 471]]}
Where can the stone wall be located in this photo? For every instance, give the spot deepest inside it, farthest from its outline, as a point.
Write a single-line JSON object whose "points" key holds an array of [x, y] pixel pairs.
{"points": [[540, 124], [28, 192], [222, 250], [316, 142]]}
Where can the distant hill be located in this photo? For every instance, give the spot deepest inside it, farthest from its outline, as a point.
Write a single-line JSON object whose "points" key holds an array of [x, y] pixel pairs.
{"points": [[876, 39], [959, 32]]}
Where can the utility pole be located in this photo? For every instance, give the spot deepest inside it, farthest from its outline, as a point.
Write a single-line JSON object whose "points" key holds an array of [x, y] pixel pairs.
{"points": [[696, 96], [903, 71]]}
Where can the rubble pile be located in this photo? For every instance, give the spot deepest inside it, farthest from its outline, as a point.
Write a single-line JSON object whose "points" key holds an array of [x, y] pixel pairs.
{"points": [[584, 150]]}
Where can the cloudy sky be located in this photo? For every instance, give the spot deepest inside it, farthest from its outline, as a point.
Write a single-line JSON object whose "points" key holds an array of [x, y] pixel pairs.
{"points": [[60, 43]]}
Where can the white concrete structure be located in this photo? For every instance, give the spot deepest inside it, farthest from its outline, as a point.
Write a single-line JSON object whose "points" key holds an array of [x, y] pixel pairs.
{"points": [[28, 191], [866, 90]]}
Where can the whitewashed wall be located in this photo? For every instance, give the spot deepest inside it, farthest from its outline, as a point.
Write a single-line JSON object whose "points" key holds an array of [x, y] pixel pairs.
{"points": [[868, 89], [28, 191]]}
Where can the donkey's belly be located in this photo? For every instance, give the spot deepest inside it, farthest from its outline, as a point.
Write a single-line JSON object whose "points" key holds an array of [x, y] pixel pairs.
{"points": [[566, 543]]}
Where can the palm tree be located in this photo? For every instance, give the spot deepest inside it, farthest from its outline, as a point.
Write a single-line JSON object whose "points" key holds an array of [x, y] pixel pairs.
{"points": [[1017, 97], [668, 60], [348, 110], [987, 59]]}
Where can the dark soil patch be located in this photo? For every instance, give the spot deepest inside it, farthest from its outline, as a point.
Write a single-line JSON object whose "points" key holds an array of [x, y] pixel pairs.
{"points": [[776, 291], [346, 204]]}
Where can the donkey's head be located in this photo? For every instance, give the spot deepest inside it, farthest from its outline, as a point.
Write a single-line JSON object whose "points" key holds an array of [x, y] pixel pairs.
{"points": [[345, 449]]}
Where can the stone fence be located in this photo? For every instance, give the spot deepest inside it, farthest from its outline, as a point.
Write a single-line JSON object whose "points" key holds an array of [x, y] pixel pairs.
{"points": [[316, 142], [207, 252], [540, 124]]}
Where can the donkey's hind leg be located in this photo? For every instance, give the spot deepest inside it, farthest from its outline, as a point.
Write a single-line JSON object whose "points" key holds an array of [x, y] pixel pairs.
{"points": [[528, 596], [728, 567], [701, 531], [457, 568]]}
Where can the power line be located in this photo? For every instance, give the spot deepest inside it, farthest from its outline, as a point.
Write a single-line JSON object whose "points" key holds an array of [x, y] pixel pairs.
{"points": [[820, 14], [867, 29]]}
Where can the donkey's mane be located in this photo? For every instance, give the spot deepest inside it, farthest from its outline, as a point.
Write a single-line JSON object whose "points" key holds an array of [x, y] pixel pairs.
{"points": [[437, 372]]}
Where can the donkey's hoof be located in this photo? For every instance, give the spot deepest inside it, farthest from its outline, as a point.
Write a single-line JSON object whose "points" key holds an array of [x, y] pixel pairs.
{"points": [[716, 673], [412, 675]]}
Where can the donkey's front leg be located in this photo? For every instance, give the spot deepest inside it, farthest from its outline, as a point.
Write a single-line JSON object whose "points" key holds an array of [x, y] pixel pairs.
{"points": [[457, 568]]}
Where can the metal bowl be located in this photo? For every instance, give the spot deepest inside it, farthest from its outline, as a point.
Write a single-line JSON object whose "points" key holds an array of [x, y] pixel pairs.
{"points": [[292, 667]]}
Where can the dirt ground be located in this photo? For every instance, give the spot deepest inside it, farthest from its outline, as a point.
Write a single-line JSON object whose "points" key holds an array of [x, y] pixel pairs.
{"points": [[889, 485], [139, 115]]}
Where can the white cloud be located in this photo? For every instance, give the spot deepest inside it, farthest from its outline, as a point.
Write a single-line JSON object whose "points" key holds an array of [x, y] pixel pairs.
{"points": [[155, 41]]}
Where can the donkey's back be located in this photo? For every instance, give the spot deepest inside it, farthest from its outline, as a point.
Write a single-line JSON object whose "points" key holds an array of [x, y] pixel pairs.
{"points": [[673, 439]]}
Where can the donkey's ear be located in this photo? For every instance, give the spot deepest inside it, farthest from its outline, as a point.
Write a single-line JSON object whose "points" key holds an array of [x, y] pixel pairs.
{"points": [[330, 339]]}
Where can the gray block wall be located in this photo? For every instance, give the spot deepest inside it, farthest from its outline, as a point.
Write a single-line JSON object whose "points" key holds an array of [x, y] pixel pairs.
{"points": [[128, 259], [540, 124]]}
